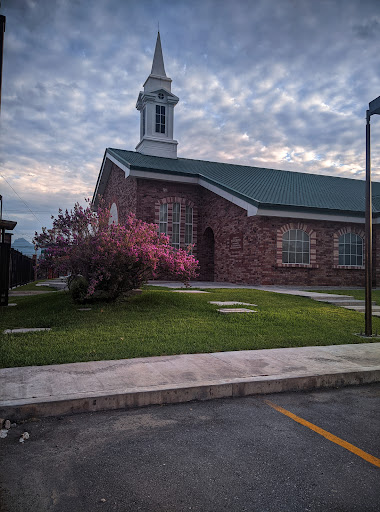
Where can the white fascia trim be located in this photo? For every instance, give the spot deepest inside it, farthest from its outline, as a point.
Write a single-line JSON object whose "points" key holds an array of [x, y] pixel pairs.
{"points": [[156, 139], [312, 216], [163, 177], [99, 178], [119, 164]]}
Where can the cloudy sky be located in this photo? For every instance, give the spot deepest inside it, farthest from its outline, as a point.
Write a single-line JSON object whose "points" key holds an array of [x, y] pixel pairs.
{"points": [[282, 84]]}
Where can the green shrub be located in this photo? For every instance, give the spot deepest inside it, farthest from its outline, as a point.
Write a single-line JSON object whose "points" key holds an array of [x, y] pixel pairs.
{"points": [[78, 287]]}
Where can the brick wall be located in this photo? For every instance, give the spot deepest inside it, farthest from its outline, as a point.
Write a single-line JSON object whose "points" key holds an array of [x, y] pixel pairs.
{"points": [[246, 249], [121, 191], [151, 191]]}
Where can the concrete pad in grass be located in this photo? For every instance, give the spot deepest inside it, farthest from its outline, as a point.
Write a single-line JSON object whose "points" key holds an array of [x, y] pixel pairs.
{"points": [[231, 303], [226, 311], [189, 291], [23, 330]]}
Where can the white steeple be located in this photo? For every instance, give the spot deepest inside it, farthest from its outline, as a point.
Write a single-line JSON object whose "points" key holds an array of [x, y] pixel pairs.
{"points": [[158, 67], [156, 105]]}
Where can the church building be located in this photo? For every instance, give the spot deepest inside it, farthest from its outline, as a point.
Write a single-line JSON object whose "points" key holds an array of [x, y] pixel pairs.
{"points": [[246, 224]]}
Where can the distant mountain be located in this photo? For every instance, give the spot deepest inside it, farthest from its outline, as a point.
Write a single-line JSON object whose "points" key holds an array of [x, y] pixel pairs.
{"points": [[23, 246]]}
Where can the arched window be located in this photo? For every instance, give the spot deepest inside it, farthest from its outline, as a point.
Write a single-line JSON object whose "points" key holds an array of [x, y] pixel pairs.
{"points": [[177, 217], [113, 215], [296, 247], [351, 250]]}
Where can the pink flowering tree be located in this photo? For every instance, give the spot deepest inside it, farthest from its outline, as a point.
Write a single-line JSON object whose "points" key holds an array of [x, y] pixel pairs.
{"points": [[109, 259]]}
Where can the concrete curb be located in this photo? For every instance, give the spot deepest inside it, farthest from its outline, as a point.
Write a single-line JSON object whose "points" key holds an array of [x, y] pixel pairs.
{"points": [[47, 406]]}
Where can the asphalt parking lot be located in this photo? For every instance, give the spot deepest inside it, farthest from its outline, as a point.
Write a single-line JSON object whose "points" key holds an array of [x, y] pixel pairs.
{"points": [[232, 454]]}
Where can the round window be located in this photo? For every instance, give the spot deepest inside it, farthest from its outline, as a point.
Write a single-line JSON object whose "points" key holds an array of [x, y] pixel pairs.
{"points": [[161, 96]]}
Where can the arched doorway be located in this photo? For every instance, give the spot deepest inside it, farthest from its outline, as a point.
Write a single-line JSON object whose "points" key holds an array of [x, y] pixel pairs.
{"points": [[206, 256]]}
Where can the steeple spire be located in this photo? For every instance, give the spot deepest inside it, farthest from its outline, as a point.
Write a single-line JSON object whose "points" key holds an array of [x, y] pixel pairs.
{"points": [[158, 68], [156, 106]]}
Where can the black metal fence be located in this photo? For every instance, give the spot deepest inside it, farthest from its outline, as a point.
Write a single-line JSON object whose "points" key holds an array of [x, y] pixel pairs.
{"points": [[21, 269], [4, 272]]}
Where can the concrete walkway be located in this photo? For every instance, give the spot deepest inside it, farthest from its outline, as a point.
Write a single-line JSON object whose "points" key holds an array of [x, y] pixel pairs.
{"points": [[79, 387], [289, 290]]}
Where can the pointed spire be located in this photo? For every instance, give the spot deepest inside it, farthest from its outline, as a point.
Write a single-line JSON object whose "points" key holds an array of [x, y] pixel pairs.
{"points": [[158, 68]]}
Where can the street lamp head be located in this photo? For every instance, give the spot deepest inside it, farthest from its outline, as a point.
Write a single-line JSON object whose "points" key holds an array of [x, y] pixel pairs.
{"points": [[374, 106]]}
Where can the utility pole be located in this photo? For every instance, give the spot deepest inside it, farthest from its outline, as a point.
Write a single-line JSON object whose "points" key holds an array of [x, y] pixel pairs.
{"points": [[374, 108], [2, 30]]}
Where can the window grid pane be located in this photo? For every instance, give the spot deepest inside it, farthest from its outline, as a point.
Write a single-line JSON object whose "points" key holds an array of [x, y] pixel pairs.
{"points": [[188, 225], [160, 119], [351, 250], [296, 247], [176, 225], [163, 226]]}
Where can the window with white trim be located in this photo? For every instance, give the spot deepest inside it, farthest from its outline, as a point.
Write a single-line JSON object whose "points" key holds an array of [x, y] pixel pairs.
{"points": [[160, 119], [351, 250], [188, 225], [163, 224], [176, 222], [177, 217], [296, 247]]}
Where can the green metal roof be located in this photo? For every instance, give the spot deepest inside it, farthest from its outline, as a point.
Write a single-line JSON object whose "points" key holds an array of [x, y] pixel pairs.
{"points": [[266, 188]]}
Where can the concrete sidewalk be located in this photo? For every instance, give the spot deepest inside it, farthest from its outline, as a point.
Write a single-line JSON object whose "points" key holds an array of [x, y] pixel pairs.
{"points": [[72, 388]]}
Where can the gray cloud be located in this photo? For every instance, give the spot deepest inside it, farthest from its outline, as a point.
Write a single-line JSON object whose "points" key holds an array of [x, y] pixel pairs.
{"points": [[278, 83]]}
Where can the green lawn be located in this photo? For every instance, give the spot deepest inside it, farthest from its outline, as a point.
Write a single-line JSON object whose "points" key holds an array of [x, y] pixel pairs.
{"points": [[160, 322], [32, 287]]}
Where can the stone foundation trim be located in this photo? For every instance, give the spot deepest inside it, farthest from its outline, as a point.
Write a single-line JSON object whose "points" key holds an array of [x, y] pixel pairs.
{"points": [[296, 265], [349, 267]]}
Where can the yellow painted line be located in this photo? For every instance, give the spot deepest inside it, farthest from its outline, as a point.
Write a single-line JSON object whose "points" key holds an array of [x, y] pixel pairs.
{"points": [[350, 447]]}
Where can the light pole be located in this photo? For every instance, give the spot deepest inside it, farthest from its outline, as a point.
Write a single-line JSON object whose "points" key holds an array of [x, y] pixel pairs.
{"points": [[374, 108]]}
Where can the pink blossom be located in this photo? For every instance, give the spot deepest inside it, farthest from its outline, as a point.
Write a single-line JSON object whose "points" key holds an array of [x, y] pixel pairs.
{"points": [[113, 258]]}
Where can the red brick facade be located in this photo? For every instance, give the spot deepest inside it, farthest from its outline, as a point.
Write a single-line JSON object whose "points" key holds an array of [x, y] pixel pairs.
{"points": [[122, 192], [233, 247]]}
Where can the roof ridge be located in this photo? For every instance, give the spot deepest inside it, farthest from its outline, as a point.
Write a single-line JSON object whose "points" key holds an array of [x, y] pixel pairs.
{"points": [[246, 166], [272, 188]]}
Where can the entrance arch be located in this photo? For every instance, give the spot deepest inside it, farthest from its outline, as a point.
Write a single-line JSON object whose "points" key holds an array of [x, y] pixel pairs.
{"points": [[207, 256]]}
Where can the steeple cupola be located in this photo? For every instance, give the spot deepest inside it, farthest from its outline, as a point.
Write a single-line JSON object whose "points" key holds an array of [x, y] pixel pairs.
{"points": [[156, 105]]}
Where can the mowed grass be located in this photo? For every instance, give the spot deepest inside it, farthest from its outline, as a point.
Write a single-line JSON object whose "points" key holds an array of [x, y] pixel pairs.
{"points": [[32, 287], [160, 322]]}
